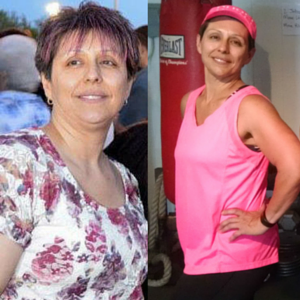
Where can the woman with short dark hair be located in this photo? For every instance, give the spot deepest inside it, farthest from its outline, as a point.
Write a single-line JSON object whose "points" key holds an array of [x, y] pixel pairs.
{"points": [[71, 220], [230, 132]]}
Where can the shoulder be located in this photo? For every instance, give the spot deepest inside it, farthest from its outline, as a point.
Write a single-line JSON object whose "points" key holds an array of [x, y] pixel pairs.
{"points": [[21, 98], [184, 102], [24, 142], [187, 96], [21, 110], [258, 117], [130, 183], [256, 105], [22, 105], [143, 73], [23, 136], [127, 176], [141, 77]]}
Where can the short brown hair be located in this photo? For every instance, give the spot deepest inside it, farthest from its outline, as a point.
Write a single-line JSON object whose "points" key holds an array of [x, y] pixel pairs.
{"points": [[107, 23]]}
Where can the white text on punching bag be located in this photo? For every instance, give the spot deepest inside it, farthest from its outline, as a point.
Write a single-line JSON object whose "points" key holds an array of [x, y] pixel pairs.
{"points": [[172, 46]]}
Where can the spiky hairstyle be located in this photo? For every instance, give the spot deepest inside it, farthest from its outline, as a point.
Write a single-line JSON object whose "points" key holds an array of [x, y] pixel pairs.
{"points": [[108, 24]]}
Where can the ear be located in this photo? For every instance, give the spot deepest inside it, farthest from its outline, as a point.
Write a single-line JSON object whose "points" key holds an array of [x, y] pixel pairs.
{"points": [[198, 43], [47, 86], [250, 56]]}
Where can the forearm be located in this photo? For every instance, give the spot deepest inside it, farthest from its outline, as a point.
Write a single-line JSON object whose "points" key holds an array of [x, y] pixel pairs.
{"points": [[286, 190]]}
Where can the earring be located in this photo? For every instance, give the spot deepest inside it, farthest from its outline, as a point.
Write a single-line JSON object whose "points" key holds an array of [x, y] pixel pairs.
{"points": [[125, 102], [50, 102]]}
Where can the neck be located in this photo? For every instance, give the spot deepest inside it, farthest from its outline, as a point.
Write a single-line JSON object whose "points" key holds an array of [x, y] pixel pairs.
{"points": [[216, 90], [78, 146]]}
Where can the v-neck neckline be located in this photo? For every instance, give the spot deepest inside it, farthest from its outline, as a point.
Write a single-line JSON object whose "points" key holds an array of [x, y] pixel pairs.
{"points": [[216, 110]]}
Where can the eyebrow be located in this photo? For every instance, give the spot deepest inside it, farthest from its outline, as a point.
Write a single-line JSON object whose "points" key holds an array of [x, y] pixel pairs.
{"points": [[67, 53], [79, 50], [238, 35]]}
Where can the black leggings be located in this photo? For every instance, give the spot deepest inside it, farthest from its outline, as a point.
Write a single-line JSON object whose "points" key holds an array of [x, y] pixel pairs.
{"points": [[239, 285]]}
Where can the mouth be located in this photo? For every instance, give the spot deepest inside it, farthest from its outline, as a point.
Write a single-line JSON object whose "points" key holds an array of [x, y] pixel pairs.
{"points": [[93, 97], [220, 60]]}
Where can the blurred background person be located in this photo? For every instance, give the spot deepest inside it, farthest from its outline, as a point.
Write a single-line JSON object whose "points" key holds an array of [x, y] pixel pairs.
{"points": [[136, 108], [142, 33], [131, 141], [20, 104]]}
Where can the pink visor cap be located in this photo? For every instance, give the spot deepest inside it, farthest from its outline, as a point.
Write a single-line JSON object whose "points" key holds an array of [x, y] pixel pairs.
{"points": [[234, 12]]}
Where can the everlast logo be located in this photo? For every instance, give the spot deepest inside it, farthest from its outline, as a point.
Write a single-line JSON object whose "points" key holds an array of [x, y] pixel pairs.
{"points": [[172, 46]]}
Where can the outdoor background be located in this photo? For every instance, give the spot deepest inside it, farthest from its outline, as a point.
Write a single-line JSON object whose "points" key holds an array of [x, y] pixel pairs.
{"points": [[30, 13]]}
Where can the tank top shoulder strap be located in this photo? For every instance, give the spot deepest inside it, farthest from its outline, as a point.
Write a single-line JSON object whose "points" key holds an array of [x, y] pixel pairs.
{"points": [[191, 102], [234, 101], [232, 109]]}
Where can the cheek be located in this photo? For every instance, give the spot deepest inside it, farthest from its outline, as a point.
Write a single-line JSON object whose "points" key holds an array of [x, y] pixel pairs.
{"points": [[65, 84], [244, 59], [123, 91], [120, 84], [64, 81], [208, 48]]}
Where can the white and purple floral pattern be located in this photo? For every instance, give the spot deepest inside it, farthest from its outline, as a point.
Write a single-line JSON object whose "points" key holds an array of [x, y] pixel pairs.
{"points": [[74, 248]]}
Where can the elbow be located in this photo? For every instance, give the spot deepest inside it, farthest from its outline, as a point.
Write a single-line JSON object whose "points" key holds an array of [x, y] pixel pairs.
{"points": [[296, 172], [294, 176], [290, 174]]}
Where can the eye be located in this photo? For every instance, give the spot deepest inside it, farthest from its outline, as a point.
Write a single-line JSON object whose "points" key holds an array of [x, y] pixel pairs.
{"points": [[74, 62], [214, 37], [108, 62], [236, 43]]}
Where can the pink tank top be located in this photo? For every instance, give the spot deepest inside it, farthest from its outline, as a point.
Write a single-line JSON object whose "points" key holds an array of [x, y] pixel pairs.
{"points": [[216, 171]]}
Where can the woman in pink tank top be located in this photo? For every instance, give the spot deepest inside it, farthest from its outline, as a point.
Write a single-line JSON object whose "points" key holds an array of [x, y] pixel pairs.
{"points": [[229, 133]]}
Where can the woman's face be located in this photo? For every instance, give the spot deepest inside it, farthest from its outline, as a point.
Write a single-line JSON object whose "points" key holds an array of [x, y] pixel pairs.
{"points": [[224, 47], [89, 82]]}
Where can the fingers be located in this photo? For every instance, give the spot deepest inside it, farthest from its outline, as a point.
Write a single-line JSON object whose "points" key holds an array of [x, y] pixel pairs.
{"points": [[242, 222], [232, 211], [235, 235], [229, 224], [234, 223]]}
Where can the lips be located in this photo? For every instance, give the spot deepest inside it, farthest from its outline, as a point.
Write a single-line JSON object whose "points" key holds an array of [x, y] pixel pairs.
{"points": [[92, 96], [220, 60]]}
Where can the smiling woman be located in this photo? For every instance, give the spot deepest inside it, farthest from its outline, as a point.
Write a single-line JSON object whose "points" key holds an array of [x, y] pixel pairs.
{"points": [[71, 221], [92, 73], [229, 133]]}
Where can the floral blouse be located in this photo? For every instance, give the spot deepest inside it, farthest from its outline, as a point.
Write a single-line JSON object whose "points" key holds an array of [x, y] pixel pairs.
{"points": [[74, 248]]}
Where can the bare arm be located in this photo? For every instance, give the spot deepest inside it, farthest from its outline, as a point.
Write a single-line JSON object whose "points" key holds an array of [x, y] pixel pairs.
{"points": [[259, 124], [9, 257]]}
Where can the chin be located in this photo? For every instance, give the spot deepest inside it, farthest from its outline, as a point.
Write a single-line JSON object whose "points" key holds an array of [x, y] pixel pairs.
{"points": [[98, 119]]}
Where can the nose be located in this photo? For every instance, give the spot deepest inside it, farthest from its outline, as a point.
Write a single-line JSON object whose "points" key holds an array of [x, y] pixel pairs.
{"points": [[224, 46], [93, 73]]}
